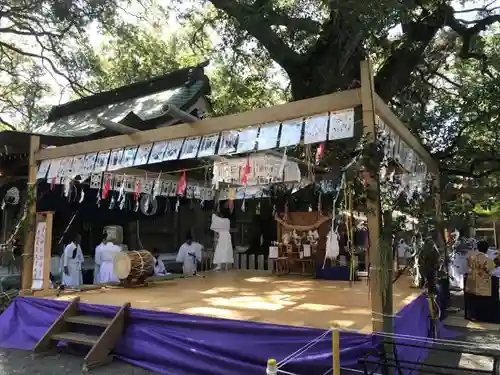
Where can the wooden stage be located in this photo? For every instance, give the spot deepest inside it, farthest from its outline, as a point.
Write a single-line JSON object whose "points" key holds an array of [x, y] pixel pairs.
{"points": [[256, 296]]}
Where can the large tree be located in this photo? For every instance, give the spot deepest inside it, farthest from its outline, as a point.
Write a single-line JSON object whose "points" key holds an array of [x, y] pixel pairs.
{"points": [[134, 53], [36, 41], [320, 43], [425, 52]]}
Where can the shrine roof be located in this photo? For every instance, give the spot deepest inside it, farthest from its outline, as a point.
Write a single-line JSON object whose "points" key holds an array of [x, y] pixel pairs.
{"points": [[138, 104]]}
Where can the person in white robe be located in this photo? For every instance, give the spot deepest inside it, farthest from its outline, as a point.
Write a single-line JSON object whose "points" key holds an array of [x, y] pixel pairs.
{"points": [[458, 265], [223, 254], [189, 255], [159, 266], [97, 258], [105, 259], [404, 253], [72, 261]]}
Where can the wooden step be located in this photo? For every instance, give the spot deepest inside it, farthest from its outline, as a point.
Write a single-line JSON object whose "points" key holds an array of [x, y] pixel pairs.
{"points": [[76, 338], [96, 321]]}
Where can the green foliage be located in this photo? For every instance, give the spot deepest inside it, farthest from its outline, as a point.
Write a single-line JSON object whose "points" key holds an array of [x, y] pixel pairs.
{"points": [[36, 40], [132, 53]]}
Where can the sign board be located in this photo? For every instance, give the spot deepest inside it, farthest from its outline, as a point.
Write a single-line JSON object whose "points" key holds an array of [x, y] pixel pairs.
{"points": [[42, 252]]}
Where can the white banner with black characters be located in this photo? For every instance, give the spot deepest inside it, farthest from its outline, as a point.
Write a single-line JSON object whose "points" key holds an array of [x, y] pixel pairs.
{"points": [[339, 125]]}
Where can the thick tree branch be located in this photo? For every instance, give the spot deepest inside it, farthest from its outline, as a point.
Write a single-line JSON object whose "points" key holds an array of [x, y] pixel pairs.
{"points": [[251, 20], [468, 33], [7, 124], [293, 23], [407, 53], [6, 46]]}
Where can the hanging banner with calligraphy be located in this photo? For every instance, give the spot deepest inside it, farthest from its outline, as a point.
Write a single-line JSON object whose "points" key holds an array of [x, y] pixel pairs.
{"points": [[39, 255]]}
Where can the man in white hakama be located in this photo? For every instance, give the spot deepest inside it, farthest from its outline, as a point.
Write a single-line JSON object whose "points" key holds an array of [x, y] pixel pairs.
{"points": [[189, 255], [105, 261], [458, 265], [97, 257], [72, 261], [223, 254]]}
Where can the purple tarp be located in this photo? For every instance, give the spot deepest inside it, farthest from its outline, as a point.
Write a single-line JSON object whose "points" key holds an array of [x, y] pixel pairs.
{"points": [[181, 344]]}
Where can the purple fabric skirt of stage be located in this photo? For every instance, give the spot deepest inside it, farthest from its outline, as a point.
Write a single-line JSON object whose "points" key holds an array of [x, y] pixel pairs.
{"points": [[180, 344]]}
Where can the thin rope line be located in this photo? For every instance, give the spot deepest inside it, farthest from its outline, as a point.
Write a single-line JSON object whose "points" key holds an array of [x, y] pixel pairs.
{"points": [[303, 349], [327, 371], [414, 338]]}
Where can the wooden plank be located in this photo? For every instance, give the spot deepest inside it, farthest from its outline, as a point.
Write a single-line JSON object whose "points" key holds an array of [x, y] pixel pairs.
{"points": [[302, 108], [59, 326], [404, 133], [29, 239], [100, 352], [76, 338], [47, 251], [90, 320]]}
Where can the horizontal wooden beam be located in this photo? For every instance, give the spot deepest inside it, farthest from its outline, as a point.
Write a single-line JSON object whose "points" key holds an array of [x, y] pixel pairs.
{"points": [[116, 126], [308, 107], [404, 133]]}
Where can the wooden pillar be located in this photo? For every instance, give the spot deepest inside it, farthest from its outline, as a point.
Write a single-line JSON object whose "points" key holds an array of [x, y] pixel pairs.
{"points": [[380, 279], [29, 233], [441, 240], [439, 212]]}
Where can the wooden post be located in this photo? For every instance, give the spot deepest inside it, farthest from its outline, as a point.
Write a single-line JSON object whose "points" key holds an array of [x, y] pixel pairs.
{"points": [[29, 238], [47, 251], [380, 292], [441, 241]]}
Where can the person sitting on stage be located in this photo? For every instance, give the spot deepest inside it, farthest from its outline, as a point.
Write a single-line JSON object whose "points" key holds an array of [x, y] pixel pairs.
{"points": [[223, 254], [159, 267], [481, 289], [105, 259], [72, 261], [97, 257], [189, 255]]}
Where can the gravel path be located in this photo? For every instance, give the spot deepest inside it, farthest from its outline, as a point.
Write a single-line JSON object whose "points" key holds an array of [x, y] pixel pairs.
{"points": [[21, 363]]}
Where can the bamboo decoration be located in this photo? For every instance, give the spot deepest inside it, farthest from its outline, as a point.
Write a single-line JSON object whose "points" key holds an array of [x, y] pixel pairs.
{"points": [[335, 351]]}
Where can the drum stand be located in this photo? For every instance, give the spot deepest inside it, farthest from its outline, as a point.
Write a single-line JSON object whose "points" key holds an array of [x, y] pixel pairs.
{"points": [[195, 272]]}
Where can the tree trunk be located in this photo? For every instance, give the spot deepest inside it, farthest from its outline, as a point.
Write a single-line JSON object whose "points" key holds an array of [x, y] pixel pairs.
{"points": [[333, 65]]}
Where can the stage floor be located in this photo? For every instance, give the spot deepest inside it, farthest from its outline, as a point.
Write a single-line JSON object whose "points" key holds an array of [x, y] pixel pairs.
{"points": [[256, 296]]}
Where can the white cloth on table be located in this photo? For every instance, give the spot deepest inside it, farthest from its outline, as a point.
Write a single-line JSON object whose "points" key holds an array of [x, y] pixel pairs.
{"points": [[332, 249], [223, 253], [189, 255], [97, 259], [105, 260], [74, 278]]}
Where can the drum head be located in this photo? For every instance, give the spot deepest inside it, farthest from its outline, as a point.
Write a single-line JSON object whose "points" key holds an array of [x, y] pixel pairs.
{"points": [[122, 265]]}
